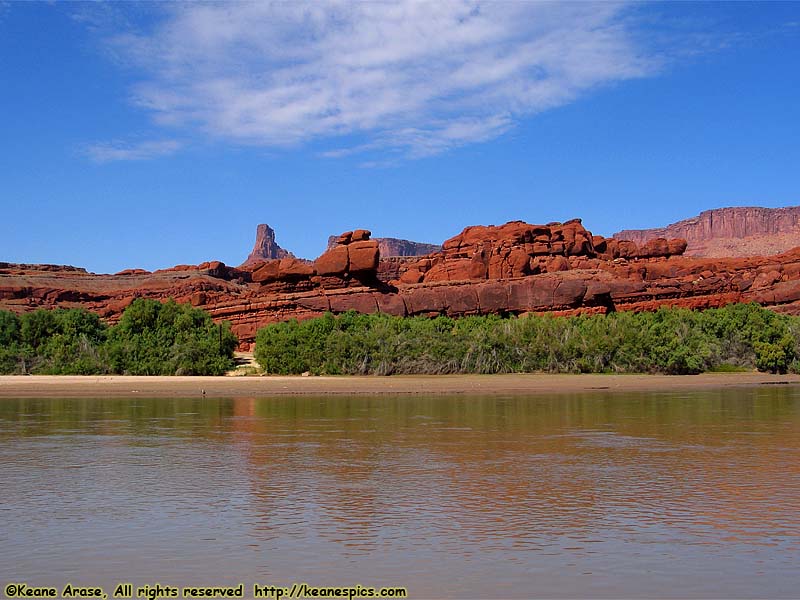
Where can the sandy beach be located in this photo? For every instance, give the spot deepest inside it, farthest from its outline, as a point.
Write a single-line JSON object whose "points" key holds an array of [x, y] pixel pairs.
{"points": [[518, 384]]}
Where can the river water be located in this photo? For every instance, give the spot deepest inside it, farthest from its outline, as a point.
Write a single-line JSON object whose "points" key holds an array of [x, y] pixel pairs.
{"points": [[679, 495]]}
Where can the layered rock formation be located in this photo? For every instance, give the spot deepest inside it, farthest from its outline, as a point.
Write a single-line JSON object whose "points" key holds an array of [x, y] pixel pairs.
{"points": [[514, 268], [396, 247], [266, 248], [738, 231], [518, 249]]}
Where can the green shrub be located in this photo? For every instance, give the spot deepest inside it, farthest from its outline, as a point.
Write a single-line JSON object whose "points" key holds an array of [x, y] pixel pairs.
{"points": [[151, 339], [674, 341], [9, 342], [154, 338]]}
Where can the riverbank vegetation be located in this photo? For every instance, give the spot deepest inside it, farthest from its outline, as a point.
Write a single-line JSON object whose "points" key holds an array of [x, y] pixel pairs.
{"points": [[673, 341], [151, 338], [154, 338]]}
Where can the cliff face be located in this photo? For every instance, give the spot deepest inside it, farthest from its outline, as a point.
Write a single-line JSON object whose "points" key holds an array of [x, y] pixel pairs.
{"points": [[397, 247], [739, 231], [266, 248]]}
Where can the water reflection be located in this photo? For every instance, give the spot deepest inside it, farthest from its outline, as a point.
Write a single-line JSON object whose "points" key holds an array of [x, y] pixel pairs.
{"points": [[679, 495]]}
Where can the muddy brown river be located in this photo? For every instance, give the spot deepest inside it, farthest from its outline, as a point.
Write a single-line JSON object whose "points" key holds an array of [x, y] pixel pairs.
{"points": [[635, 495]]}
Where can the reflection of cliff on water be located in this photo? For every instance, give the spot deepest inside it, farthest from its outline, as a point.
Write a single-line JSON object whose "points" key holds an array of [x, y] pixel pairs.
{"points": [[527, 471], [485, 474]]}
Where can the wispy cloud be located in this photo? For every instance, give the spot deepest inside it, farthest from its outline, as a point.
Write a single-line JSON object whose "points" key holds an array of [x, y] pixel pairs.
{"points": [[412, 79], [120, 150]]}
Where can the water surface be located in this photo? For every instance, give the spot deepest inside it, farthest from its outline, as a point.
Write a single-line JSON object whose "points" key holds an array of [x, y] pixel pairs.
{"points": [[601, 495]]}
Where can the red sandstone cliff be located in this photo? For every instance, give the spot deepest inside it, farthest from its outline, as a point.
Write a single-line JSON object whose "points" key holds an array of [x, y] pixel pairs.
{"points": [[738, 231], [514, 268]]}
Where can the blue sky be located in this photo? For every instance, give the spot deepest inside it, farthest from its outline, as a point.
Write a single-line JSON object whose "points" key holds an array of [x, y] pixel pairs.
{"points": [[148, 135]]}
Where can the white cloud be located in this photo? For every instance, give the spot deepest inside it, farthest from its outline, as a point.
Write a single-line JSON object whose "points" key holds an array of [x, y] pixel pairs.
{"points": [[118, 150], [411, 78]]}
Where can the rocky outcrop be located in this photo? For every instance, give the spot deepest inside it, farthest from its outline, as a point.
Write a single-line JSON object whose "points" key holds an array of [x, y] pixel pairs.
{"points": [[390, 247], [283, 269], [266, 248], [353, 259], [514, 268], [353, 253], [738, 231]]}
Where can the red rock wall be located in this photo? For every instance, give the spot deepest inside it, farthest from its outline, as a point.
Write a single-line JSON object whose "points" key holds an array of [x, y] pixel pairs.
{"points": [[515, 268]]}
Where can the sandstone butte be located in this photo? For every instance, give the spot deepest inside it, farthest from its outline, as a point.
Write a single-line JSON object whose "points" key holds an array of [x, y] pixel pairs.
{"points": [[265, 248], [725, 232], [515, 268]]}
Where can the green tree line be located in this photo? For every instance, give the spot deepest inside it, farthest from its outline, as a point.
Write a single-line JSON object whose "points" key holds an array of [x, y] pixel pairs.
{"points": [[670, 340], [151, 338]]}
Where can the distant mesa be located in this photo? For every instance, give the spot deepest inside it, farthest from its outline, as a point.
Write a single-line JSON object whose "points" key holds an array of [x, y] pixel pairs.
{"points": [[725, 232], [396, 247], [266, 248], [6, 266]]}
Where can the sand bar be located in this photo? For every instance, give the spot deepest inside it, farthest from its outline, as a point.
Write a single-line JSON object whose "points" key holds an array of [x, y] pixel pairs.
{"points": [[517, 384]]}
